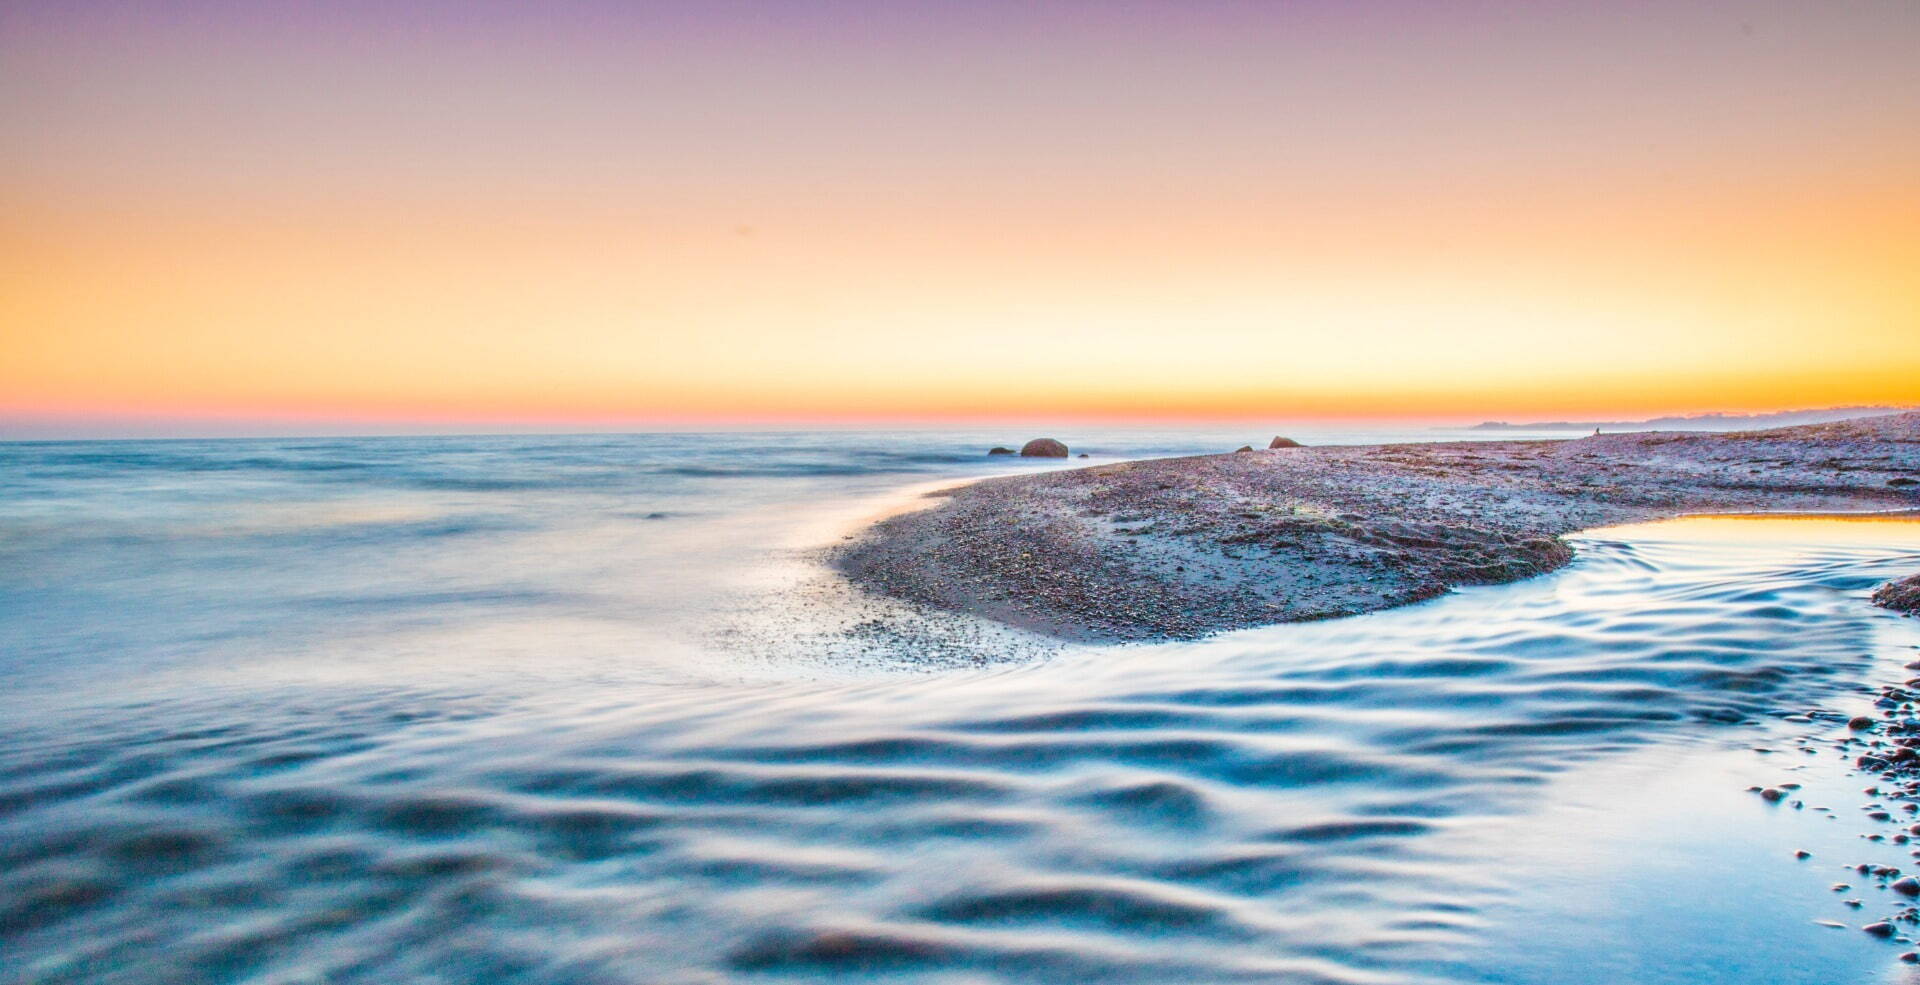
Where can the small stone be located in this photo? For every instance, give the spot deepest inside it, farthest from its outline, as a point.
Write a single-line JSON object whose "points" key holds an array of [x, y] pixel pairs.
{"points": [[1859, 722], [1803, 854], [1771, 795], [1908, 886], [1881, 929]]}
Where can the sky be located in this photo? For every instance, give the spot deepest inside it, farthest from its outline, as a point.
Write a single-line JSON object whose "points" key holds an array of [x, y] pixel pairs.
{"points": [[272, 215]]}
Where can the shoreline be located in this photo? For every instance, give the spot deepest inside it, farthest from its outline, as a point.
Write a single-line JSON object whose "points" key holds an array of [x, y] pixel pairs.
{"points": [[1181, 548]]}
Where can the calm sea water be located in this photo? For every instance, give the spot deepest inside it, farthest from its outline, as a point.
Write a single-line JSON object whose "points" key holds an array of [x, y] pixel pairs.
{"points": [[579, 709]]}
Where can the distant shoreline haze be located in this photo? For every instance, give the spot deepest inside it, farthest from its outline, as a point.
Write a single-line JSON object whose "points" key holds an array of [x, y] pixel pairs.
{"points": [[1701, 422]]}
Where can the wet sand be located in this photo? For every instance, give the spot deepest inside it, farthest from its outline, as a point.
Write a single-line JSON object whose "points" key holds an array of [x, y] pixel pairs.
{"points": [[1183, 547]]}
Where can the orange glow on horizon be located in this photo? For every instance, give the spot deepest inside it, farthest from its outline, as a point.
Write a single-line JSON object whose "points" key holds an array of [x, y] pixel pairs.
{"points": [[1727, 223]]}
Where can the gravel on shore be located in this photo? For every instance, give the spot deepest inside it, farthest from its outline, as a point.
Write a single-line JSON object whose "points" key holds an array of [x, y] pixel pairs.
{"points": [[1179, 548], [1885, 753]]}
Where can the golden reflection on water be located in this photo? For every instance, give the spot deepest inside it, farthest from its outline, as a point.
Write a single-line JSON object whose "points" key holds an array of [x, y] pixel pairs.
{"points": [[1892, 529]]}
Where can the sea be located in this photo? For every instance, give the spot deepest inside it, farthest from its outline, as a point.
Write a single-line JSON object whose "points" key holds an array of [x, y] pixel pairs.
{"points": [[591, 709]]}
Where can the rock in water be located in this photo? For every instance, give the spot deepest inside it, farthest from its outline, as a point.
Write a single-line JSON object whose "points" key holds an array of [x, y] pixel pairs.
{"points": [[1900, 596], [998, 450], [1043, 448], [1242, 448], [1279, 442]]}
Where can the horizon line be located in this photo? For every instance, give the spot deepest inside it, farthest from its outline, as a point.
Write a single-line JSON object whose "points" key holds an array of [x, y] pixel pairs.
{"points": [[41, 428]]}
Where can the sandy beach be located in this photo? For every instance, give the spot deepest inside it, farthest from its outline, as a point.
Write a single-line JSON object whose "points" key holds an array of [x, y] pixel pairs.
{"points": [[1183, 547]]}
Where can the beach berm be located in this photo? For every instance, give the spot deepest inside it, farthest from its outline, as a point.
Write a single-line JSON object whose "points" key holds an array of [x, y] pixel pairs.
{"points": [[1180, 548]]}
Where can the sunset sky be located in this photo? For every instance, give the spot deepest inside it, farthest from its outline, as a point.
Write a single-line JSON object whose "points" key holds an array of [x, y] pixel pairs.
{"points": [[560, 215]]}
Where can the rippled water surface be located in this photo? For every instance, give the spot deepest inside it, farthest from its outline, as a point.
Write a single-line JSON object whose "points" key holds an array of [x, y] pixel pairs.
{"points": [[471, 710]]}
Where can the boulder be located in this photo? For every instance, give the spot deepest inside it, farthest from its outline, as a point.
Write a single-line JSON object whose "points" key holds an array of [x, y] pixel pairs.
{"points": [[1279, 442], [1900, 596], [1043, 448], [999, 450], [1083, 455], [1242, 448]]}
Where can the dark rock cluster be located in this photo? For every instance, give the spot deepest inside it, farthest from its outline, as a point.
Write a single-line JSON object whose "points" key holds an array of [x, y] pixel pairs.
{"points": [[1901, 596]]}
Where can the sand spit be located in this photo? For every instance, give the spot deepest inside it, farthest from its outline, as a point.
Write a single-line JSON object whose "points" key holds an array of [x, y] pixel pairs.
{"points": [[1182, 547]]}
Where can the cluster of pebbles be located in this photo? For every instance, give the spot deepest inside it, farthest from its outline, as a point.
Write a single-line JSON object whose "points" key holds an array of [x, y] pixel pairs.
{"points": [[1886, 751], [1901, 596]]}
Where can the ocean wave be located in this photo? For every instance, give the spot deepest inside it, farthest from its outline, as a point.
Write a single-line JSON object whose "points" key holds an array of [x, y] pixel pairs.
{"points": [[358, 749]]}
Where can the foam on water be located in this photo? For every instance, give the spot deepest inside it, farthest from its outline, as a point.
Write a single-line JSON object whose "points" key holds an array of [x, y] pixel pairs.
{"points": [[231, 760]]}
